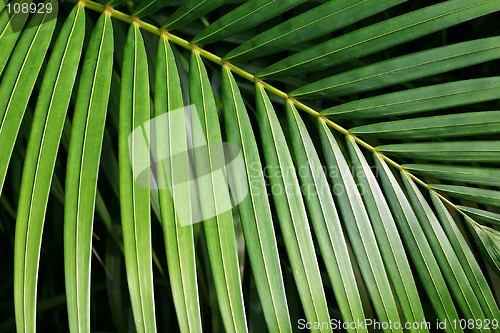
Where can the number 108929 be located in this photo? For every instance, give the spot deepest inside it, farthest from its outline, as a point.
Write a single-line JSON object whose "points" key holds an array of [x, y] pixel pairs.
{"points": [[25, 8]]}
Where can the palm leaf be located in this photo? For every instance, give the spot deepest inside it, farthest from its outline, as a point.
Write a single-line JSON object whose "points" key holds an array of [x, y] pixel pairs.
{"points": [[482, 215], [403, 69], [179, 240], [244, 17], [422, 257], [190, 11], [420, 99], [135, 201], [364, 205], [146, 7], [255, 211], [490, 240], [381, 35], [469, 151], [27, 58], [291, 212], [83, 164], [325, 219], [467, 261], [389, 240], [317, 22], [457, 173], [360, 232], [43, 144], [445, 255], [453, 125], [219, 229], [479, 195], [10, 29]]}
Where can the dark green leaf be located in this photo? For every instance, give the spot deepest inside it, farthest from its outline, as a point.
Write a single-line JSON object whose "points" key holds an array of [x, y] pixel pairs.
{"points": [[41, 153], [452, 125], [416, 100], [479, 195], [325, 219], [255, 211], [323, 19], [291, 212], [458, 173], [460, 151], [359, 229], [244, 17], [24, 67], [418, 247], [381, 36], [135, 199], [83, 165], [404, 69]]}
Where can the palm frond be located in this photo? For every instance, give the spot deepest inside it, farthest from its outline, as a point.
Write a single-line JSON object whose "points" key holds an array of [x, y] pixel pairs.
{"points": [[135, 200], [45, 134], [364, 175], [83, 165]]}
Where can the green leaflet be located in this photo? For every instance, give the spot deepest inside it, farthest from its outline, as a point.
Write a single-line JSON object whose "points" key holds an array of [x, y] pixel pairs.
{"points": [[452, 125], [418, 247], [24, 67], [381, 36], [190, 11], [11, 28], [422, 99], [359, 229], [114, 3], [291, 212], [389, 240], [82, 169], [43, 144], [213, 194], [325, 220], [479, 195], [489, 238], [481, 215], [460, 151], [467, 260], [146, 7], [447, 257], [256, 218], [404, 68], [458, 173], [135, 200], [246, 16], [179, 240], [314, 23]]}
